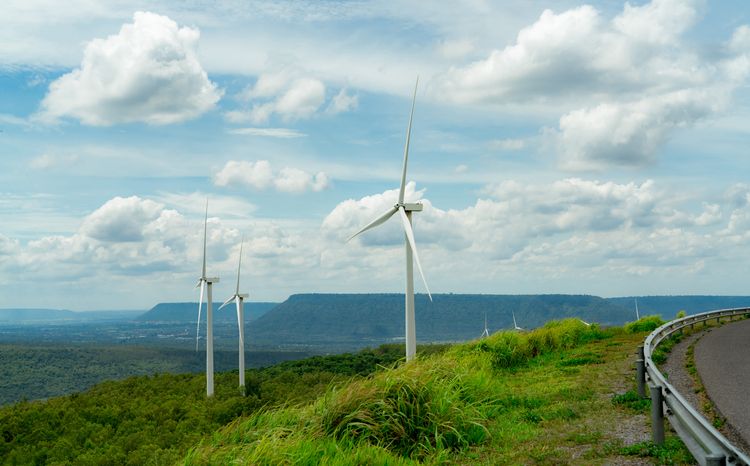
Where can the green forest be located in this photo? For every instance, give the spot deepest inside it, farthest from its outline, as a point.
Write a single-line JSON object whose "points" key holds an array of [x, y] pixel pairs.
{"points": [[155, 419]]}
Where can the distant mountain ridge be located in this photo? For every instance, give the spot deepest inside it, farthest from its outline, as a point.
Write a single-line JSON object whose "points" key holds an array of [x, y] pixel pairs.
{"points": [[373, 318], [188, 312], [366, 319]]}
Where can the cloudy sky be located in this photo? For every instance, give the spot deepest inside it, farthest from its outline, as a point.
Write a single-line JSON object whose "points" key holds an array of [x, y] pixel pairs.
{"points": [[558, 147]]}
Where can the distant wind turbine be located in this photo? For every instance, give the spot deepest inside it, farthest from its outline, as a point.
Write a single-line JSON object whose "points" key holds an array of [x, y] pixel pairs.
{"points": [[486, 332], [585, 323], [515, 325], [206, 283], [405, 212], [637, 314], [239, 300]]}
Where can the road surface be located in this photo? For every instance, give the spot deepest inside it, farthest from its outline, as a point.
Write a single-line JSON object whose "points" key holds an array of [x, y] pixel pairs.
{"points": [[722, 358]]}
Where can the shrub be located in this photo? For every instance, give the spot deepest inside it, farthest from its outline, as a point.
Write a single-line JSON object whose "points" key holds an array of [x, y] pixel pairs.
{"points": [[645, 324]]}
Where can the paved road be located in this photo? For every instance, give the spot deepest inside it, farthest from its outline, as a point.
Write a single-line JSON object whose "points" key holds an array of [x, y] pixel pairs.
{"points": [[722, 358]]}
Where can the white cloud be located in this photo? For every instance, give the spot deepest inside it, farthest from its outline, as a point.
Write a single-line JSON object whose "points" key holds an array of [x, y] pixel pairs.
{"points": [[624, 85], [343, 102], [284, 133], [629, 134], [289, 96], [121, 219], [259, 175], [148, 72]]}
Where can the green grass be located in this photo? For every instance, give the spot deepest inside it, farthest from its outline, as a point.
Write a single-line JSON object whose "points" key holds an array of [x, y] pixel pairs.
{"points": [[512, 398]]}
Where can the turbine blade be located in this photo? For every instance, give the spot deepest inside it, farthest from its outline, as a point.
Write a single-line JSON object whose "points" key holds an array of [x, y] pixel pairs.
{"points": [[205, 230], [226, 302], [410, 236], [406, 146], [515, 325], [375, 222], [200, 304], [239, 322], [239, 266]]}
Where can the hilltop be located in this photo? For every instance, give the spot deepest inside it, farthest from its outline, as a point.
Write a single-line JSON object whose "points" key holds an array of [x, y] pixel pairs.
{"points": [[187, 312]]}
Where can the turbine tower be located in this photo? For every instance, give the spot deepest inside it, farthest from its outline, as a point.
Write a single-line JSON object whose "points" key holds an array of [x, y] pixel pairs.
{"points": [[515, 325], [239, 299], [637, 314], [206, 283], [486, 332], [405, 212]]}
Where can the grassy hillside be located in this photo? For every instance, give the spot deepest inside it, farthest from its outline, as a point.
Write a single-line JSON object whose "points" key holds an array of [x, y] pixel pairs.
{"points": [[543, 397], [551, 396]]}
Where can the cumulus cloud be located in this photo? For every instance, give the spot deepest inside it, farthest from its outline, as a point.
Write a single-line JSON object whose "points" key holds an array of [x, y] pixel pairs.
{"points": [[121, 219], [627, 83], [259, 175], [290, 97], [147, 72]]}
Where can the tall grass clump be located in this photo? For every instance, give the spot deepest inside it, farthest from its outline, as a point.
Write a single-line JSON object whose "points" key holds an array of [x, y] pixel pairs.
{"points": [[511, 349], [414, 410], [645, 324]]}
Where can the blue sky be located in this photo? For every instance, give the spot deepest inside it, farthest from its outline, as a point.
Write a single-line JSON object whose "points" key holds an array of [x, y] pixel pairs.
{"points": [[558, 147]]}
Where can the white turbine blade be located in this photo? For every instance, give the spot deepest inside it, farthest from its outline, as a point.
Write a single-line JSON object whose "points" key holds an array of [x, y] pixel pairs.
{"points": [[410, 236], [406, 146], [515, 325], [226, 302], [205, 230], [239, 266], [239, 322], [375, 222], [200, 304]]}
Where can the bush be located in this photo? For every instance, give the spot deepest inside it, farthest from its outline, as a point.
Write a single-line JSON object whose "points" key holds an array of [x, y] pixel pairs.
{"points": [[645, 324]]}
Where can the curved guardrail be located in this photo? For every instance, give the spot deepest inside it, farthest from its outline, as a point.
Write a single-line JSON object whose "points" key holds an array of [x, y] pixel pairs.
{"points": [[707, 445]]}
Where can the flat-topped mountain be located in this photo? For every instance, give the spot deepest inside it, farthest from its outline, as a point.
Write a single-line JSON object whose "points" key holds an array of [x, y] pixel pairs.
{"points": [[188, 312], [369, 318]]}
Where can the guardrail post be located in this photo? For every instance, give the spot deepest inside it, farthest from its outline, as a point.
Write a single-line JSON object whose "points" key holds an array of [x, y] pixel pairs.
{"points": [[715, 459], [640, 373], [657, 415]]}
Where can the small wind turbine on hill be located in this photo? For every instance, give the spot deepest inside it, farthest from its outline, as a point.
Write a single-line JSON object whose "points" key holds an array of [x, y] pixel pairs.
{"points": [[239, 300], [405, 212], [637, 314], [515, 325], [486, 332], [206, 283]]}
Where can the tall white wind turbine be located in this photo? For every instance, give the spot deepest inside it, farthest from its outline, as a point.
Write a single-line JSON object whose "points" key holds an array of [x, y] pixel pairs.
{"points": [[206, 283], [239, 299], [404, 211]]}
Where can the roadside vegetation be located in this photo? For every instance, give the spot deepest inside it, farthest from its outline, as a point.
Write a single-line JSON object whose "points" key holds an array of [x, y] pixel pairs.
{"points": [[554, 395]]}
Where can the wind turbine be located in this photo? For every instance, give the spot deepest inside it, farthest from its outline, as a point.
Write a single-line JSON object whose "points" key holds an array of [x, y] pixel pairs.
{"points": [[515, 325], [585, 323], [206, 283], [637, 314], [405, 212], [486, 332], [239, 300]]}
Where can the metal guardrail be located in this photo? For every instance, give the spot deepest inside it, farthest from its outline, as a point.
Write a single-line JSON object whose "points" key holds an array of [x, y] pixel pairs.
{"points": [[707, 445]]}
